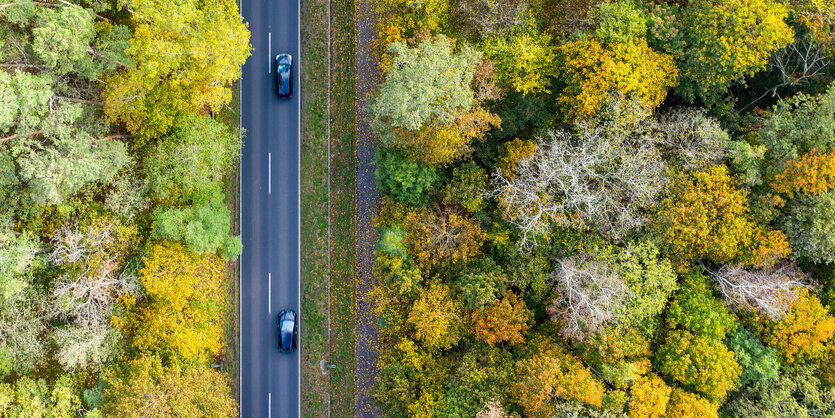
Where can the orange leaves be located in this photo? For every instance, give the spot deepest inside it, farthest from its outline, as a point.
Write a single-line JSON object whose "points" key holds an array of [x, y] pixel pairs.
{"points": [[812, 174], [550, 373], [800, 335], [704, 215], [592, 70], [507, 320]]}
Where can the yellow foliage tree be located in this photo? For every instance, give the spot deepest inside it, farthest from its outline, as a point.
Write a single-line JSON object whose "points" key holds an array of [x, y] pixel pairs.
{"points": [[649, 397], [811, 174], [437, 317], [185, 297], [684, 404], [800, 335], [552, 373], [705, 216], [592, 70]]}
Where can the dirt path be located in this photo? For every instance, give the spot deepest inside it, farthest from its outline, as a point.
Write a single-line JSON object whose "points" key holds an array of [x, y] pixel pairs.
{"points": [[368, 200]]}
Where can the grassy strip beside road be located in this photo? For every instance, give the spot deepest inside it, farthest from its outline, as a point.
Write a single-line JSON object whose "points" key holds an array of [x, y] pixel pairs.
{"points": [[314, 217]]}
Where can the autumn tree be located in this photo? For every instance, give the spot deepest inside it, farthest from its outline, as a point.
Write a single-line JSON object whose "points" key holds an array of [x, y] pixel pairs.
{"points": [[467, 187], [693, 353], [650, 396], [704, 215], [506, 320], [410, 380], [185, 57], [799, 336], [35, 398], [598, 176], [551, 373], [437, 316], [524, 60], [149, 389], [94, 260], [592, 69], [727, 41], [768, 291], [185, 294], [425, 107], [482, 376], [684, 404], [442, 236], [623, 288]]}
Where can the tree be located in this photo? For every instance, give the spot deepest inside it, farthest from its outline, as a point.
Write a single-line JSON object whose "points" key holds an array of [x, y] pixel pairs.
{"points": [[203, 226], [524, 60], [809, 224], [705, 216], [94, 260], [408, 379], [810, 175], [22, 322], [425, 105], [551, 373], [74, 159], [17, 252], [482, 376], [35, 399], [726, 41], [185, 294], [147, 388], [442, 237], [758, 362], [480, 288], [692, 138], [799, 336], [797, 392], [193, 159], [650, 396], [403, 179], [481, 19], [769, 291], [185, 58], [624, 288], [597, 177], [467, 187], [591, 70], [684, 404], [693, 353], [618, 21], [437, 317], [507, 320], [61, 37]]}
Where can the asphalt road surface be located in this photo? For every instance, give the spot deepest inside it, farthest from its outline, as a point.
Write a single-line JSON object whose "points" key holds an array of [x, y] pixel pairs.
{"points": [[269, 212]]}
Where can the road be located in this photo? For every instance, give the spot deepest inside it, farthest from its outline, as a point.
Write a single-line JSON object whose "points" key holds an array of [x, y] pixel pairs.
{"points": [[269, 279]]}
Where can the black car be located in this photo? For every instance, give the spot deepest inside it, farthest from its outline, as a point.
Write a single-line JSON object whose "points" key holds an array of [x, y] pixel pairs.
{"points": [[284, 75], [288, 331]]}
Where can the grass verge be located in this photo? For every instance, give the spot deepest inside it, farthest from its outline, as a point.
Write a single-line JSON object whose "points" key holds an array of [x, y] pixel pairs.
{"points": [[317, 270]]}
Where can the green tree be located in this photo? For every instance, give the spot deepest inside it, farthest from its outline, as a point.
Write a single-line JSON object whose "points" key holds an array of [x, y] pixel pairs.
{"points": [[17, 252], [193, 159], [203, 226], [185, 56], [403, 179], [467, 187], [147, 388], [758, 362], [728, 40], [525, 60], [693, 353], [619, 21], [796, 392], [61, 37]]}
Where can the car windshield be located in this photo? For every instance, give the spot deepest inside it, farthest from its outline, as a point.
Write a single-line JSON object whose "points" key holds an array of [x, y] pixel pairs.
{"points": [[283, 67], [287, 325]]}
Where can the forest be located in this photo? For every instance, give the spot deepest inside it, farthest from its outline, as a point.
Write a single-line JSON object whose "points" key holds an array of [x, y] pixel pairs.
{"points": [[115, 221], [605, 208]]}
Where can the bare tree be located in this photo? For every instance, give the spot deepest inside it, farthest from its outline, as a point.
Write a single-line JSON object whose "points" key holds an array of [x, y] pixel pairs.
{"points": [[591, 294], [482, 18], [84, 343], [768, 291], [693, 138], [598, 178]]}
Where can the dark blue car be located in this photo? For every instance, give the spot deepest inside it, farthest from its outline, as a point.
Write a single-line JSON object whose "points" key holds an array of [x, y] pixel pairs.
{"points": [[288, 331], [284, 75]]}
